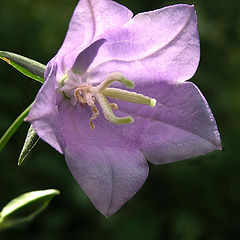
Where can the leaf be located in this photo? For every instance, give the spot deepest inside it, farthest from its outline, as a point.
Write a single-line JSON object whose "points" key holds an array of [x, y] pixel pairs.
{"points": [[30, 142], [13, 128], [26, 66], [25, 207]]}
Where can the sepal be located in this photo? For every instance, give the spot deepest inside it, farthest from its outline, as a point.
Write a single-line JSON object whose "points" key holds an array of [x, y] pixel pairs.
{"points": [[30, 142]]}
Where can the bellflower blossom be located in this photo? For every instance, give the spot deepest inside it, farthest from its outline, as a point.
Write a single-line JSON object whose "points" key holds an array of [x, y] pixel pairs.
{"points": [[115, 96]]}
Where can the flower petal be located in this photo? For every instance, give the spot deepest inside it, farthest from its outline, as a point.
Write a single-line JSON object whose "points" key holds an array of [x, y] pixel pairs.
{"points": [[43, 114], [180, 126], [86, 57], [110, 177], [90, 19], [163, 44], [109, 169]]}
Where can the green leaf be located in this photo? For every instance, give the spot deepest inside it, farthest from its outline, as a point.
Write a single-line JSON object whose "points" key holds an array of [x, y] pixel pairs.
{"points": [[30, 141], [25, 207], [13, 128], [26, 66]]}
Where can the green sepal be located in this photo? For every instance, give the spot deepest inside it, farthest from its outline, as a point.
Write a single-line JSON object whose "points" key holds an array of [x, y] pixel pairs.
{"points": [[26, 66], [30, 142], [25, 207]]}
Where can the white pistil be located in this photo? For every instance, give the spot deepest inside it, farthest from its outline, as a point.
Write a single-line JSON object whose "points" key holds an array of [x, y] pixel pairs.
{"points": [[108, 113], [128, 96], [113, 78], [87, 94]]}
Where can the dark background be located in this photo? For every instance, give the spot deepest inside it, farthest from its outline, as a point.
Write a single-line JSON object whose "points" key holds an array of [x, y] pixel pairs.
{"points": [[188, 200]]}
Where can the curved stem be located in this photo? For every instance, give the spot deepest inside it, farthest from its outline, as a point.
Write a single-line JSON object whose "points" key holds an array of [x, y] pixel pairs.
{"points": [[14, 126]]}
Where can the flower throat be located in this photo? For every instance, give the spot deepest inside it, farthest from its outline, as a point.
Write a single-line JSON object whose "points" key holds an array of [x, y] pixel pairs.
{"points": [[87, 94]]}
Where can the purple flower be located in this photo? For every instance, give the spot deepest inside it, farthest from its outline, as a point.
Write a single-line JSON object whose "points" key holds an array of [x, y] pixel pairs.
{"points": [[89, 84]]}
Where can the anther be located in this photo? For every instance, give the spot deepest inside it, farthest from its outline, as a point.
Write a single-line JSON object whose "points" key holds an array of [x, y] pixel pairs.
{"points": [[95, 114], [78, 96]]}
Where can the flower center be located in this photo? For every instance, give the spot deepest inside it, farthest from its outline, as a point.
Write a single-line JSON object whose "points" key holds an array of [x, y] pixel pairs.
{"points": [[87, 94]]}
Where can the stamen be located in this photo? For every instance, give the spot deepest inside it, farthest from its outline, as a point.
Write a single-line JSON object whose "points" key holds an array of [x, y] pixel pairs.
{"points": [[78, 96], [95, 114]]}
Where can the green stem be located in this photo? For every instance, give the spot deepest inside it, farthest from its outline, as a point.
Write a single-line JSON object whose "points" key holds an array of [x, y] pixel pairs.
{"points": [[15, 125]]}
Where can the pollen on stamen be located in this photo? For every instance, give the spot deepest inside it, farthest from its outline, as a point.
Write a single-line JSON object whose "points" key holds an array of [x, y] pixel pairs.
{"points": [[78, 96], [95, 114], [114, 106]]}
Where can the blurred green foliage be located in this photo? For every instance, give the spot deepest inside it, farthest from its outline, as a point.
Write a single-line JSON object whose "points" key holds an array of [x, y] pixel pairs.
{"points": [[189, 200]]}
